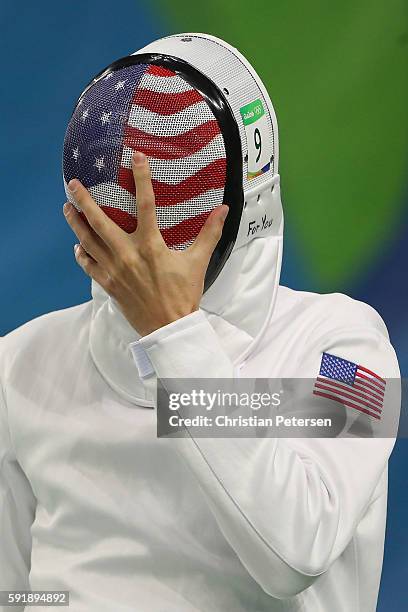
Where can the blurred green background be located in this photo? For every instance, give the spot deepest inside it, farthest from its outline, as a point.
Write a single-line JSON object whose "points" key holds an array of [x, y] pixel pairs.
{"points": [[337, 73]]}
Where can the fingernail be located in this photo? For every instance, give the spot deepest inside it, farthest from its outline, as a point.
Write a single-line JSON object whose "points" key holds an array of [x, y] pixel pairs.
{"points": [[76, 247], [224, 213], [66, 208], [73, 185], [138, 158]]}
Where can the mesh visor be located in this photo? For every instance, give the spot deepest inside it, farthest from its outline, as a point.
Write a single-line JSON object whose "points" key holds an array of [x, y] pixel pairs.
{"points": [[150, 108]]}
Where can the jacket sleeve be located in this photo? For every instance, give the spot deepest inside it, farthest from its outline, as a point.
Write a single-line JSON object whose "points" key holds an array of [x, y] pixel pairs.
{"points": [[17, 508], [288, 507]]}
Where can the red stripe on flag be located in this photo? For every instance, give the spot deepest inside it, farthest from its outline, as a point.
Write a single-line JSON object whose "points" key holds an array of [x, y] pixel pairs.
{"points": [[343, 394], [171, 147], [346, 403], [211, 176], [160, 71], [377, 394], [349, 390], [177, 234], [372, 373], [370, 380], [185, 230], [122, 218], [166, 194], [166, 103]]}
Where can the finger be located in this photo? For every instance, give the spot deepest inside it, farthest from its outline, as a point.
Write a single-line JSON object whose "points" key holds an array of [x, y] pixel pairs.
{"points": [[89, 240], [90, 266], [145, 202], [210, 233], [110, 233]]}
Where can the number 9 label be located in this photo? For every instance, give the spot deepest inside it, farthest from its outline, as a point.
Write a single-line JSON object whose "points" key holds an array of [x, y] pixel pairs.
{"points": [[258, 138]]}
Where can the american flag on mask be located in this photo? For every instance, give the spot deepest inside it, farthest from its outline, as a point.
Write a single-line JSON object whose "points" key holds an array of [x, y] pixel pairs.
{"points": [[148, 108], [354, 386]]}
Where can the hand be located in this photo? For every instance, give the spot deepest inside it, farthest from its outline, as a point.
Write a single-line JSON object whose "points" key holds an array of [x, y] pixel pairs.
{"points": [[152, 284]]}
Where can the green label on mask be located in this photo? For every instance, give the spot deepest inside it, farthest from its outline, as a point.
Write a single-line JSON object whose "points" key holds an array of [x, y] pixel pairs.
{"points": [[252, 112]]}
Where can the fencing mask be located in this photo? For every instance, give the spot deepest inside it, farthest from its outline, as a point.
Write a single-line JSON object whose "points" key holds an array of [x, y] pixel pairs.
{"points": [[202, 116]]}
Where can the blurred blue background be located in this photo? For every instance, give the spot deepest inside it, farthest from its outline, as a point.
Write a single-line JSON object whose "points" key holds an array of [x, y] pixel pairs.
{"points": [[338, 75]]}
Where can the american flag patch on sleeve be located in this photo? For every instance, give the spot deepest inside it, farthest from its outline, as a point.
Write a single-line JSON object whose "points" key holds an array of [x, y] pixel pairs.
{"points": [[350, 384]]}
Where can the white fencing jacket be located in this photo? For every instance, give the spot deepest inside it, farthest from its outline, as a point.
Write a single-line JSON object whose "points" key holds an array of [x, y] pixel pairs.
{"points": [[91, 501]]}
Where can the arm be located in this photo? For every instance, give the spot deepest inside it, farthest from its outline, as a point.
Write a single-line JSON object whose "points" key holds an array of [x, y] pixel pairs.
{"points": [[17, 508], [288, 507]]}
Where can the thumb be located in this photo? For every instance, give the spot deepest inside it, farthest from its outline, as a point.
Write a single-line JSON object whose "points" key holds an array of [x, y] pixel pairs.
{"points": [[211, 231]]}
